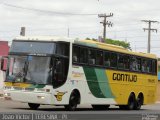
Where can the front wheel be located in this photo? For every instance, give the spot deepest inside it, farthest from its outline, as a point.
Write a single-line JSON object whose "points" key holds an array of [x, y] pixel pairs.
{"points": [[33, 106], [73, 102]]}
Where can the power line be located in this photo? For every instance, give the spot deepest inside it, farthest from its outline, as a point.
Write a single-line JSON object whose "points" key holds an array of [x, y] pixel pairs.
{"points": [[124, 30], [46, 11]]}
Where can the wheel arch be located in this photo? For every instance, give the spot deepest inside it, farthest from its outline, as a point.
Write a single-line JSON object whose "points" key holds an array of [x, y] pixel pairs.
{"points": [[132, 93], [140, 95], [77, 93]]}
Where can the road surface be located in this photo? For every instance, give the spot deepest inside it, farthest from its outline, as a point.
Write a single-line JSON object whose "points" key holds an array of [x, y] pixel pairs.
{"points": [[148, 112]]}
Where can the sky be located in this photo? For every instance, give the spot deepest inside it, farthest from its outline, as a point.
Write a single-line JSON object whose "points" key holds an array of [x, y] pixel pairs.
{"points": [[79, 19]]}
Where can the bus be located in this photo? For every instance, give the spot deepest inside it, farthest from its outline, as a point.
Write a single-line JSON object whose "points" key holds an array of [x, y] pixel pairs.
{"points": [[68, 72]]}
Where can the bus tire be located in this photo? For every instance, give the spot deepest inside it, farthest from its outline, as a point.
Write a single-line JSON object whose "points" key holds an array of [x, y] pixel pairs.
{"points": [[122, 107], [73, 101], [100, 107], [131, 102], [139, 101], [33, 106]]}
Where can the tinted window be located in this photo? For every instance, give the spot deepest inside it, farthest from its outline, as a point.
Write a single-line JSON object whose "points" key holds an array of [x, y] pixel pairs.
{"points": [[145, 65], [62, 49], [107, 59], [99, 58], [120, 61], [83, 55], [33, 47], [126, 62], [76, 50], [154, 66], [92, 56], [113, 59], [135, 63]]}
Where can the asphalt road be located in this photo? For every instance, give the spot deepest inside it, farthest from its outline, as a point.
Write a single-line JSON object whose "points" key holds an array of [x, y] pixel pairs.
{"points": [[148, 112]]}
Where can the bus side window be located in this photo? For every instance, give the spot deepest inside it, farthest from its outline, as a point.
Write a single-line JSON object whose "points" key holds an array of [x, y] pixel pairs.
{"points": [[107, 61], [145, 67], [83, 55], [121, 61], [92, 57], [126, 62], [113, 60], [75, 54], [99, 58], [149, 66], [154, 66], [135, 64]]}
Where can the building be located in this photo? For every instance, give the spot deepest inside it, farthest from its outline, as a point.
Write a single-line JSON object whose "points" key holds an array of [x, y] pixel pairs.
{"points": [[4, 49]]}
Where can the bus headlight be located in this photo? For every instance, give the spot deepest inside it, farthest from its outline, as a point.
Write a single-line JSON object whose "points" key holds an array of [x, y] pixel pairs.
{"points": [[40, 97], [7, 94]]}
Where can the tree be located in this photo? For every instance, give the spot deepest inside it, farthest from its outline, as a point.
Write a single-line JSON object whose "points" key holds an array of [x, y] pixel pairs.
{"points": [[119, 43], [91, 39], [115, 42]]}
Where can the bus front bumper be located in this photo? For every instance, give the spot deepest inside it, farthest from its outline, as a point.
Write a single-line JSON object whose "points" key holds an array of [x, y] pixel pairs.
{"points": [[29, 97]]}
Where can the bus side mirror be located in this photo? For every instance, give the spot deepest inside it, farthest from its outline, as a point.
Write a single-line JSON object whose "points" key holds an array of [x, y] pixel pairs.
{"points": [[3, 64]]}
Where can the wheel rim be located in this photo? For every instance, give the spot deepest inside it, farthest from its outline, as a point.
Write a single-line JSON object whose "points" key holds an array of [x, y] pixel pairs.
{"points": [[73, 102], [131, 103], [139, 103]]}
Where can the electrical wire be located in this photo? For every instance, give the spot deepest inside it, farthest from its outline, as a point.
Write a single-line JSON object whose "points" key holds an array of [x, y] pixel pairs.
{"points": [[46, 11]]}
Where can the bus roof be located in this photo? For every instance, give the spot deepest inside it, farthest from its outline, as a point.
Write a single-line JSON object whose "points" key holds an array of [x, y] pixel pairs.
{"points": [[44, 38], [89, 43], [114, 48]]}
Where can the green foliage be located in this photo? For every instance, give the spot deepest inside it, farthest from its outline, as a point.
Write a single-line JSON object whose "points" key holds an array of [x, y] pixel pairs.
{"points": [[119, 43], [115, 42], [88, 38], [91, 39]]}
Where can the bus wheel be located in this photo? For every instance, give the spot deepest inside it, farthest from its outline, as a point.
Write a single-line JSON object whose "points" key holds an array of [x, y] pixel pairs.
{"points": [[73, 102], [131, 102], [33, 106], [139, 102], [100, 107], [122, 107]]}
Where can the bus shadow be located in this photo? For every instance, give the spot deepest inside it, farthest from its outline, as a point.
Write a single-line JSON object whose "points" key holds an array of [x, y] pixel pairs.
{"points": [[78, 109]]}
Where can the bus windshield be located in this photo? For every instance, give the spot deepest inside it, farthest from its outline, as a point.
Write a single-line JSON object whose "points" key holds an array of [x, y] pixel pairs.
{"points": [[28, 69]]}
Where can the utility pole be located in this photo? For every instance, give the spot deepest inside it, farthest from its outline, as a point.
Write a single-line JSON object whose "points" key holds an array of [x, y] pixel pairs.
{"points": [[105, 23], [68, 32], [149, 32], [23, 31]]}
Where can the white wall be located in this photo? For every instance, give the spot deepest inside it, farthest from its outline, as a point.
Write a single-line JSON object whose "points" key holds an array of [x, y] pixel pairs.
{"points": [[2, 78]]}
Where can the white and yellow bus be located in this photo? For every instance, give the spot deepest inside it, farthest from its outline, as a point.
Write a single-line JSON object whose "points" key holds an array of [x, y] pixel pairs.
{"points": [[67, 72]]}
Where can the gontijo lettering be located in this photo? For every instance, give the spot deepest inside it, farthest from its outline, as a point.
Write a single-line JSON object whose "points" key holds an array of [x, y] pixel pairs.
{"points": [[124, 77]]}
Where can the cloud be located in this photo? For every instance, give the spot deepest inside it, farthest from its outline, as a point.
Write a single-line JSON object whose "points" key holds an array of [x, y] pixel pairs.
{"points": [[127, 19]]}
